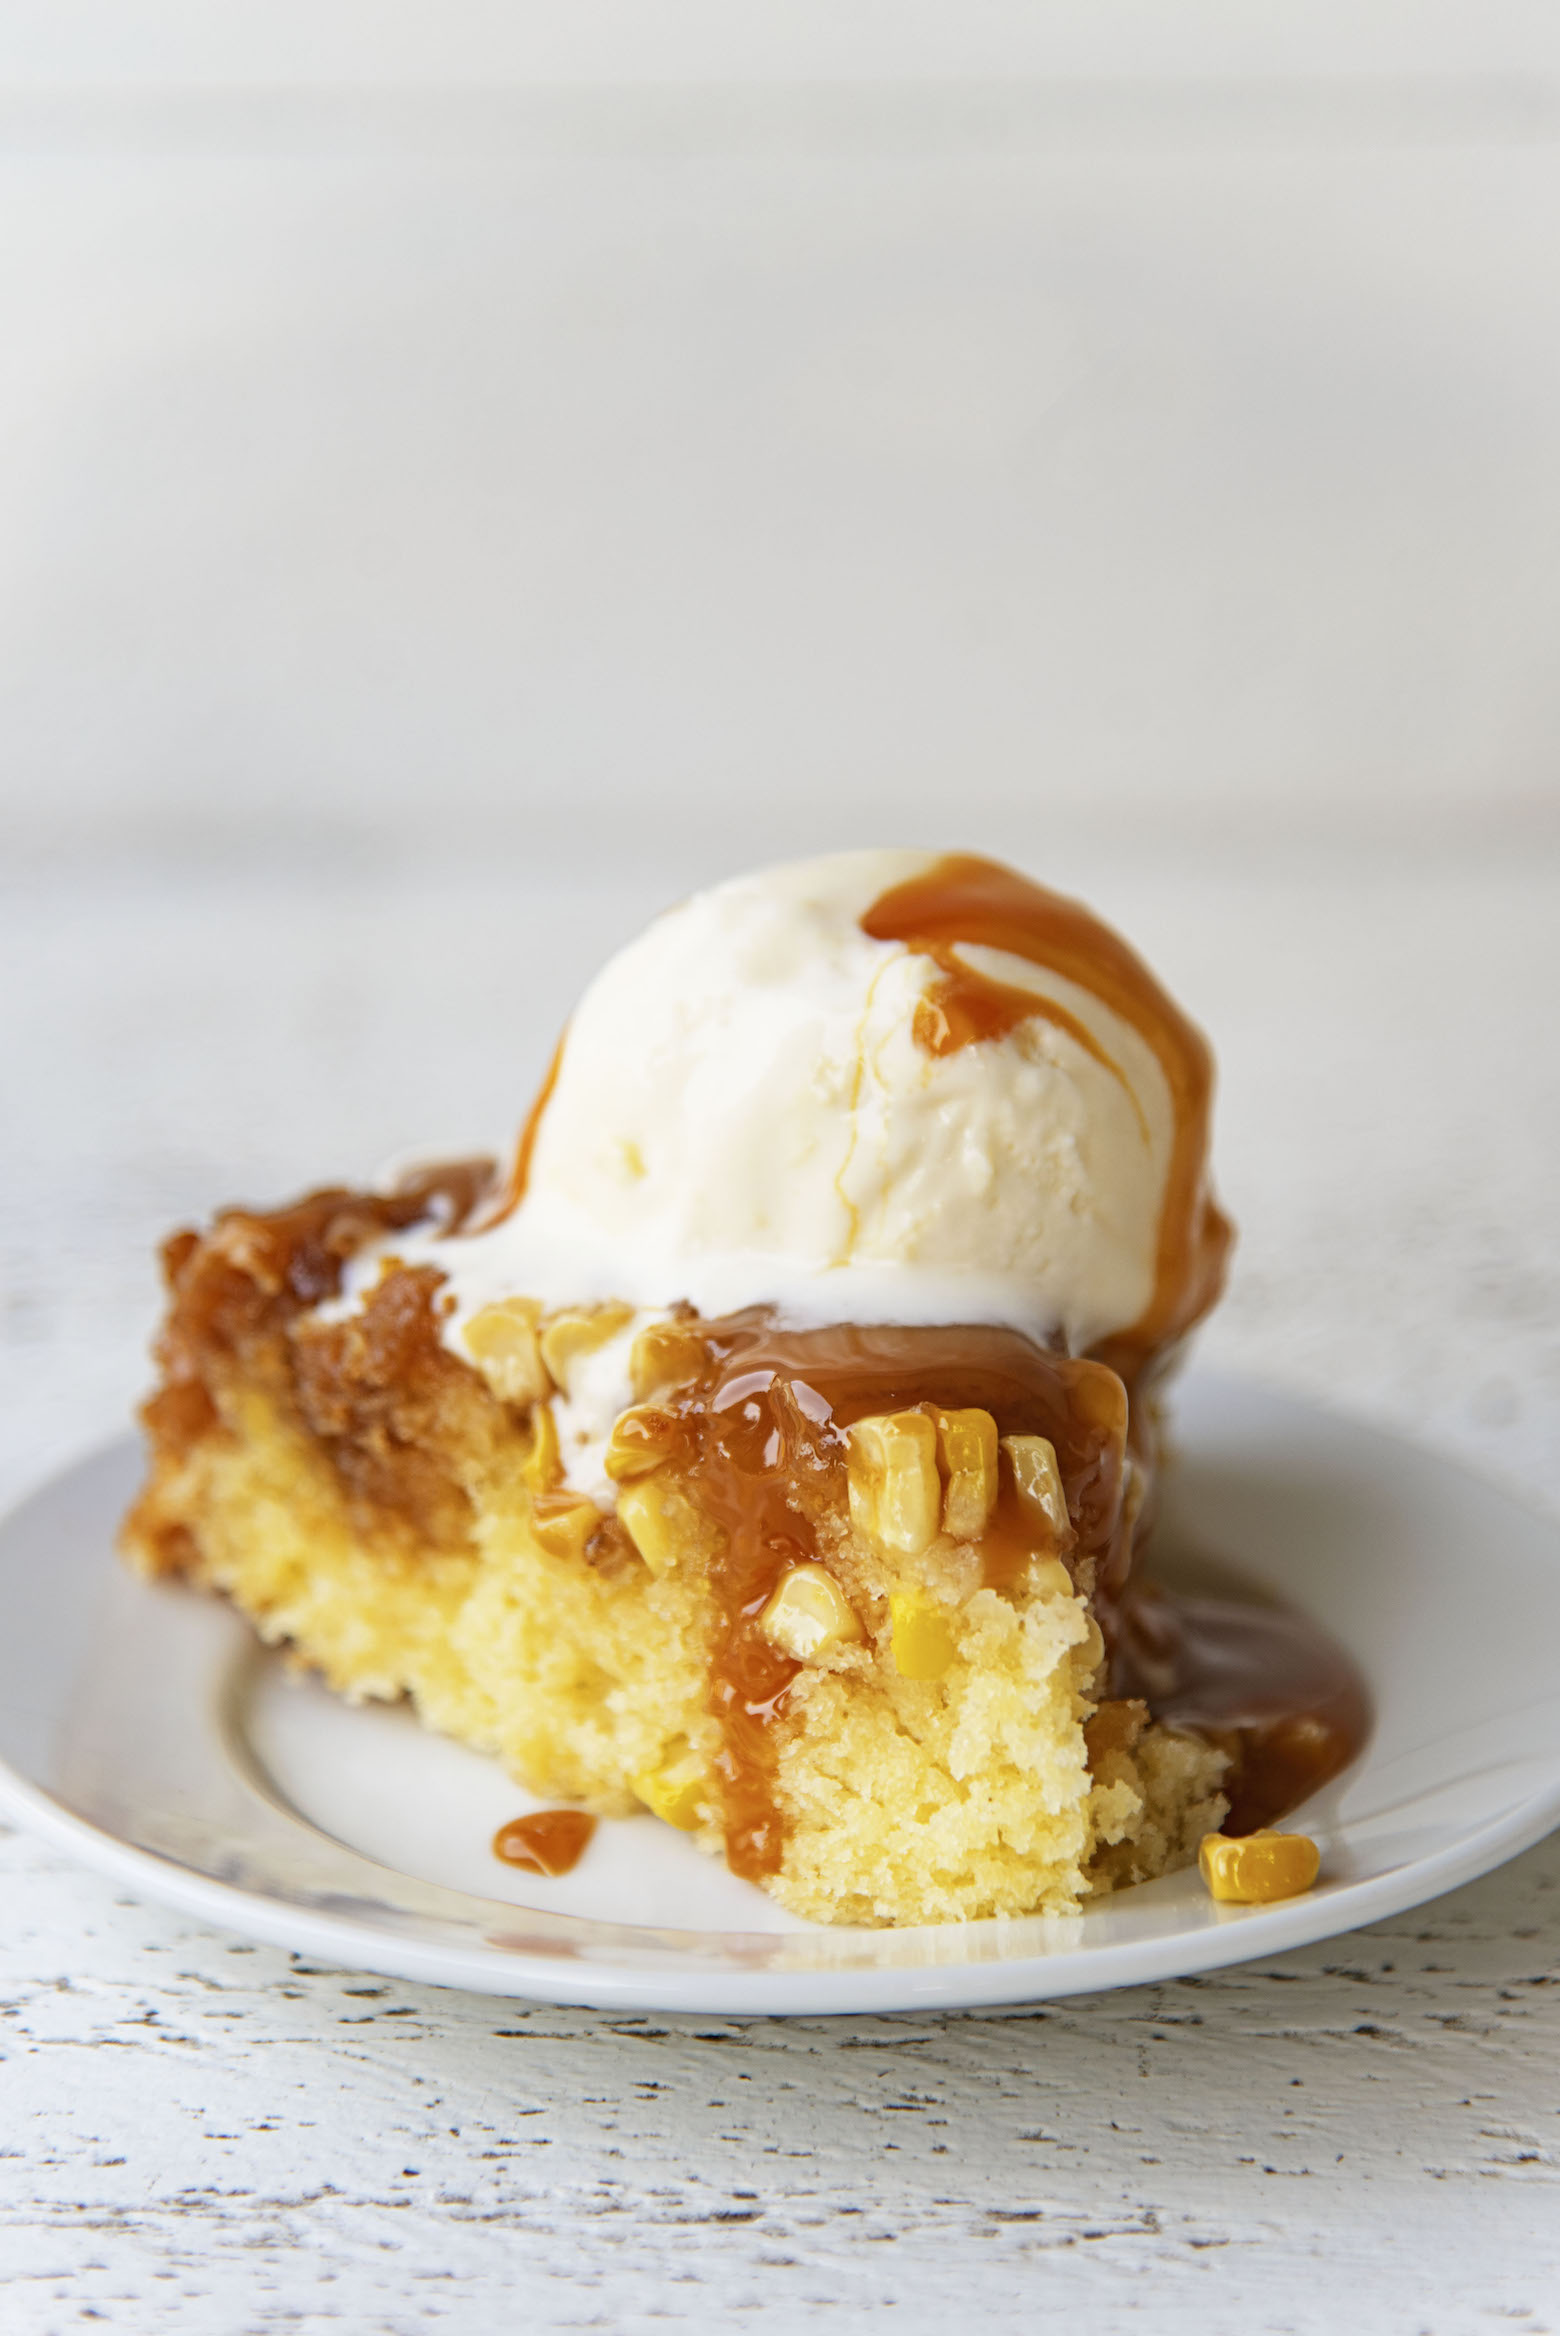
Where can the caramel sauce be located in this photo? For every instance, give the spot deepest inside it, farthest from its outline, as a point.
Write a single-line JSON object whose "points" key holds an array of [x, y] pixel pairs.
{"points": [[965, 1007], [551, 1842], [507, 1195], [1263, 1681], [964, 899], [764, 1419]]}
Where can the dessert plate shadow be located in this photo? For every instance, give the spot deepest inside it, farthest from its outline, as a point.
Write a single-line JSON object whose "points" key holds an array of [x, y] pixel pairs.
{"points": [[143, 1729]]}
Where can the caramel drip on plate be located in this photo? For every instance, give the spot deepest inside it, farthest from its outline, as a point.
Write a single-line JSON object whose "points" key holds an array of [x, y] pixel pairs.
{"points": [[764, 1416], [965, 899], [1263, 1681], [550, 1842]]}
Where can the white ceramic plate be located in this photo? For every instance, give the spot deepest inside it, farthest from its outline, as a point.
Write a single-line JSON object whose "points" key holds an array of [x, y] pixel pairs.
{"points": [[145, 1731]]}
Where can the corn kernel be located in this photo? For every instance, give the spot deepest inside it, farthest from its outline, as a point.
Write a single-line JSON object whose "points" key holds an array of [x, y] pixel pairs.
{"points": [[568, 1338], [808, 1615], [677, 1792], [1255, 1868], [641, 1439], [542, 1468], [921, 1640], [1049, 1578], [503, 1344], [563, 1523], [1038, 1482], [895, 1492], [663, 1522], [967, 1445], [665, 1355]]}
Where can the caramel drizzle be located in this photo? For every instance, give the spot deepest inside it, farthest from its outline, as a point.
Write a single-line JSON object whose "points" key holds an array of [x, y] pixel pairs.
{"points": [[965, 1007], [964, 899], [513, 1189], [764, 1416]]}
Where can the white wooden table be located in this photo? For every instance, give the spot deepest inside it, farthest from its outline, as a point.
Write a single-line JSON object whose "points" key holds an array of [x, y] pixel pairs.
{"points": [[199, 2134]]}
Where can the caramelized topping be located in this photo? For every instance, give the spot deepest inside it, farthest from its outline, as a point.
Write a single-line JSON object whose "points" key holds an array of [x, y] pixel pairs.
{"points": [[369, 1389], [964, 899], [551, 1842], [257, 1267]]}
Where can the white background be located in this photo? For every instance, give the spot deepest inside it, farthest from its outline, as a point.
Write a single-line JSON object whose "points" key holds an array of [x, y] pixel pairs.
{"points": [[466, 475]]}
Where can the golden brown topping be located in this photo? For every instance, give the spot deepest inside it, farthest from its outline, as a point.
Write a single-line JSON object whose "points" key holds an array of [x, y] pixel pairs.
{"points": [[374, 1390]]}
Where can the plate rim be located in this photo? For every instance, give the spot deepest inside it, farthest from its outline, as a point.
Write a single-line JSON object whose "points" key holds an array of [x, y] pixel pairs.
{"points": [[1242, 1934], [1247, 1934]]}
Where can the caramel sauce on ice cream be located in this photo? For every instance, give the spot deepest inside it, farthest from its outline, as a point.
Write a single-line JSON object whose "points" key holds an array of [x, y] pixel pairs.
{"points": [[979, 903]]}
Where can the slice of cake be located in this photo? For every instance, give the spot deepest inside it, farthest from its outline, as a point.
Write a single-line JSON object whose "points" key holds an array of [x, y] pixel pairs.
{"points": [[769, 1443]]}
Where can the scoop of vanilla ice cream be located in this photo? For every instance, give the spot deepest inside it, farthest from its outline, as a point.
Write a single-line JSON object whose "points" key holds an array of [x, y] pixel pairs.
{"points": [[743, 1116]]}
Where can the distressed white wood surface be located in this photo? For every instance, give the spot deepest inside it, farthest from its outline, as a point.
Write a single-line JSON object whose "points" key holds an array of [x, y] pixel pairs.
{"points": [[199, 2134]]}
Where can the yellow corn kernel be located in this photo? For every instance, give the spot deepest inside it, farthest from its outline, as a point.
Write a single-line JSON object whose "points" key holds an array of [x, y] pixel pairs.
{"points": [[677, 1792], [563, 1523], [568, 1338], [641, 1439], [895, 1492], [921, 1640], [809, 1615], [967, 1446], [503, 1344], [542, 1468], [1049, 1578], [1255, 1868], [1038, 1482], [663, 1522], [664, 1355]]}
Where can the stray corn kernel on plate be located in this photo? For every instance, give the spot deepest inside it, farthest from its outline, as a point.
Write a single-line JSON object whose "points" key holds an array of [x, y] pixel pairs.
{"points": [[145, 1731]]}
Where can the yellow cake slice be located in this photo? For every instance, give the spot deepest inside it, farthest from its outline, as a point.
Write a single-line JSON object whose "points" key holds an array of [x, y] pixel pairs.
{"points": [[885, 1702]]}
